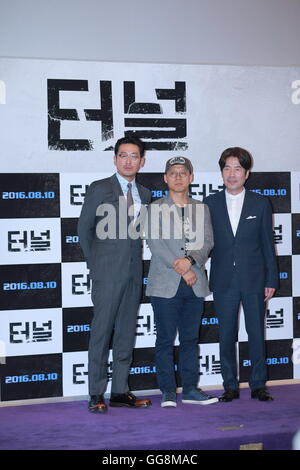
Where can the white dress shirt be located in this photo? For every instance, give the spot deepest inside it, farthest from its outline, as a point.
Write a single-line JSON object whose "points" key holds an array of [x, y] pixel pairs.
{"points": [[234, 206], [135, 194]]}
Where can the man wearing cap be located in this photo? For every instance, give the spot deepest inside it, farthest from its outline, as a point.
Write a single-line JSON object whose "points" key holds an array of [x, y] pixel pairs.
{"points": [[115, 262], [180, 238]]}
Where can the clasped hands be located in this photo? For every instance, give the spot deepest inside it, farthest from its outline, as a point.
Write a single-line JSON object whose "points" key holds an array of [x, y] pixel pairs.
{"points": [[183, 267]]}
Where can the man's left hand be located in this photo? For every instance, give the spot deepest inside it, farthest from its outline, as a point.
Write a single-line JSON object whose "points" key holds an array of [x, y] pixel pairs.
{"points": [[190, 278], [269, 292]]}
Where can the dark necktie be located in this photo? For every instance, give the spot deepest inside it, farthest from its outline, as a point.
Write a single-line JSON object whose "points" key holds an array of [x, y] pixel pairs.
{"points": [[129, 201]]}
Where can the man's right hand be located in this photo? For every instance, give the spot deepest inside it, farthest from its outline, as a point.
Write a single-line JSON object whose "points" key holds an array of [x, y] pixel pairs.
{"points": [[182, 265]]}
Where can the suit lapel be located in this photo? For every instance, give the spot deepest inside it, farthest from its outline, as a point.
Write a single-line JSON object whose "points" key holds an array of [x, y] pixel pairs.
{"points": [[143, 194], [116, 187], [245, 210], [224, 214]]}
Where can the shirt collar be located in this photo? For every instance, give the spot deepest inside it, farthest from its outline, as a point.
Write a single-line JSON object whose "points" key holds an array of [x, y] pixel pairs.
{"points": [[124, 182], [235, 196]]}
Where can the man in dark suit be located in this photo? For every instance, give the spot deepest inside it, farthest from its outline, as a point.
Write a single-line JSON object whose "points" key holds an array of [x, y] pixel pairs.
{"points": [[243, 270], [110, 214]]}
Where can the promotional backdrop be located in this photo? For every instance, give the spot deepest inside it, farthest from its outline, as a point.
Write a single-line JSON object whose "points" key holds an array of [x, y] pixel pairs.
{"points": [[59, 121]]}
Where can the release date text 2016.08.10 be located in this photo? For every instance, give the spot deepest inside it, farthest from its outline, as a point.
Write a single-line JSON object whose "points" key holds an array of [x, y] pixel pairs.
{"points": [[151, 459]]}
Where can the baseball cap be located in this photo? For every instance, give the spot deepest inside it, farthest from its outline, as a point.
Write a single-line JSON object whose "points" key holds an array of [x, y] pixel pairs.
{"points": [[179, 161]]}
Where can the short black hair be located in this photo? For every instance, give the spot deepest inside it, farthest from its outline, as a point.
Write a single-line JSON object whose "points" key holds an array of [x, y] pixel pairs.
{"points": [[244, 157], [131, 139]]}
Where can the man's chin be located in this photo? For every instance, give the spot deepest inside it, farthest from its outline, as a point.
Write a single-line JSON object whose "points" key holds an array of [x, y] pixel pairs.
{"points": [[128, 174]]}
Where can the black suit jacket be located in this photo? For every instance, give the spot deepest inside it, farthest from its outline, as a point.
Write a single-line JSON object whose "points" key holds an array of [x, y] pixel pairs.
{"points": [[115, 257], [251, 250]]}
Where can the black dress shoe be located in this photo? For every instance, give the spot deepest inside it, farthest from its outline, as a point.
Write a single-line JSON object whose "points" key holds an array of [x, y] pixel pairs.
{"points": [[129, 400], [97, 404], [261, 394], [229, 395]]}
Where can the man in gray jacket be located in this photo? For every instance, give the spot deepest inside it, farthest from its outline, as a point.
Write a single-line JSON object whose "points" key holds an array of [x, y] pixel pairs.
{"points": [[180, 238], [111, 206]]}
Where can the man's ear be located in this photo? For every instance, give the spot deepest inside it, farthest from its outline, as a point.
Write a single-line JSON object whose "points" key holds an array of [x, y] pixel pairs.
{"points": [[143, 160]]}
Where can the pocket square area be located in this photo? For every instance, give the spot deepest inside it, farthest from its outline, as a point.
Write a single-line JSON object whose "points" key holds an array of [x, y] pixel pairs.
{"points": [[251, 217]]}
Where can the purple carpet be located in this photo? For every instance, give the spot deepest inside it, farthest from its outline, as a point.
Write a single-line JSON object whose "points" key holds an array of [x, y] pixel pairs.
{"points": [[69, 426]]}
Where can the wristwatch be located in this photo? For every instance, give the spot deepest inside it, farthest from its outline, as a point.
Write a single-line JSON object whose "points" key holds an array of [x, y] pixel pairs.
{"points": [[191, 260]]}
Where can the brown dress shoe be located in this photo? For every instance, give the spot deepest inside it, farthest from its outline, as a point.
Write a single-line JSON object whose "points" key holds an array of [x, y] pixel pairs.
{"points": [[128, 400], [97, 404]]}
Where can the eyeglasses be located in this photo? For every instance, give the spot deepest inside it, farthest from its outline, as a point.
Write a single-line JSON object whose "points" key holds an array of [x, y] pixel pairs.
{"points": [[125, 155]]}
